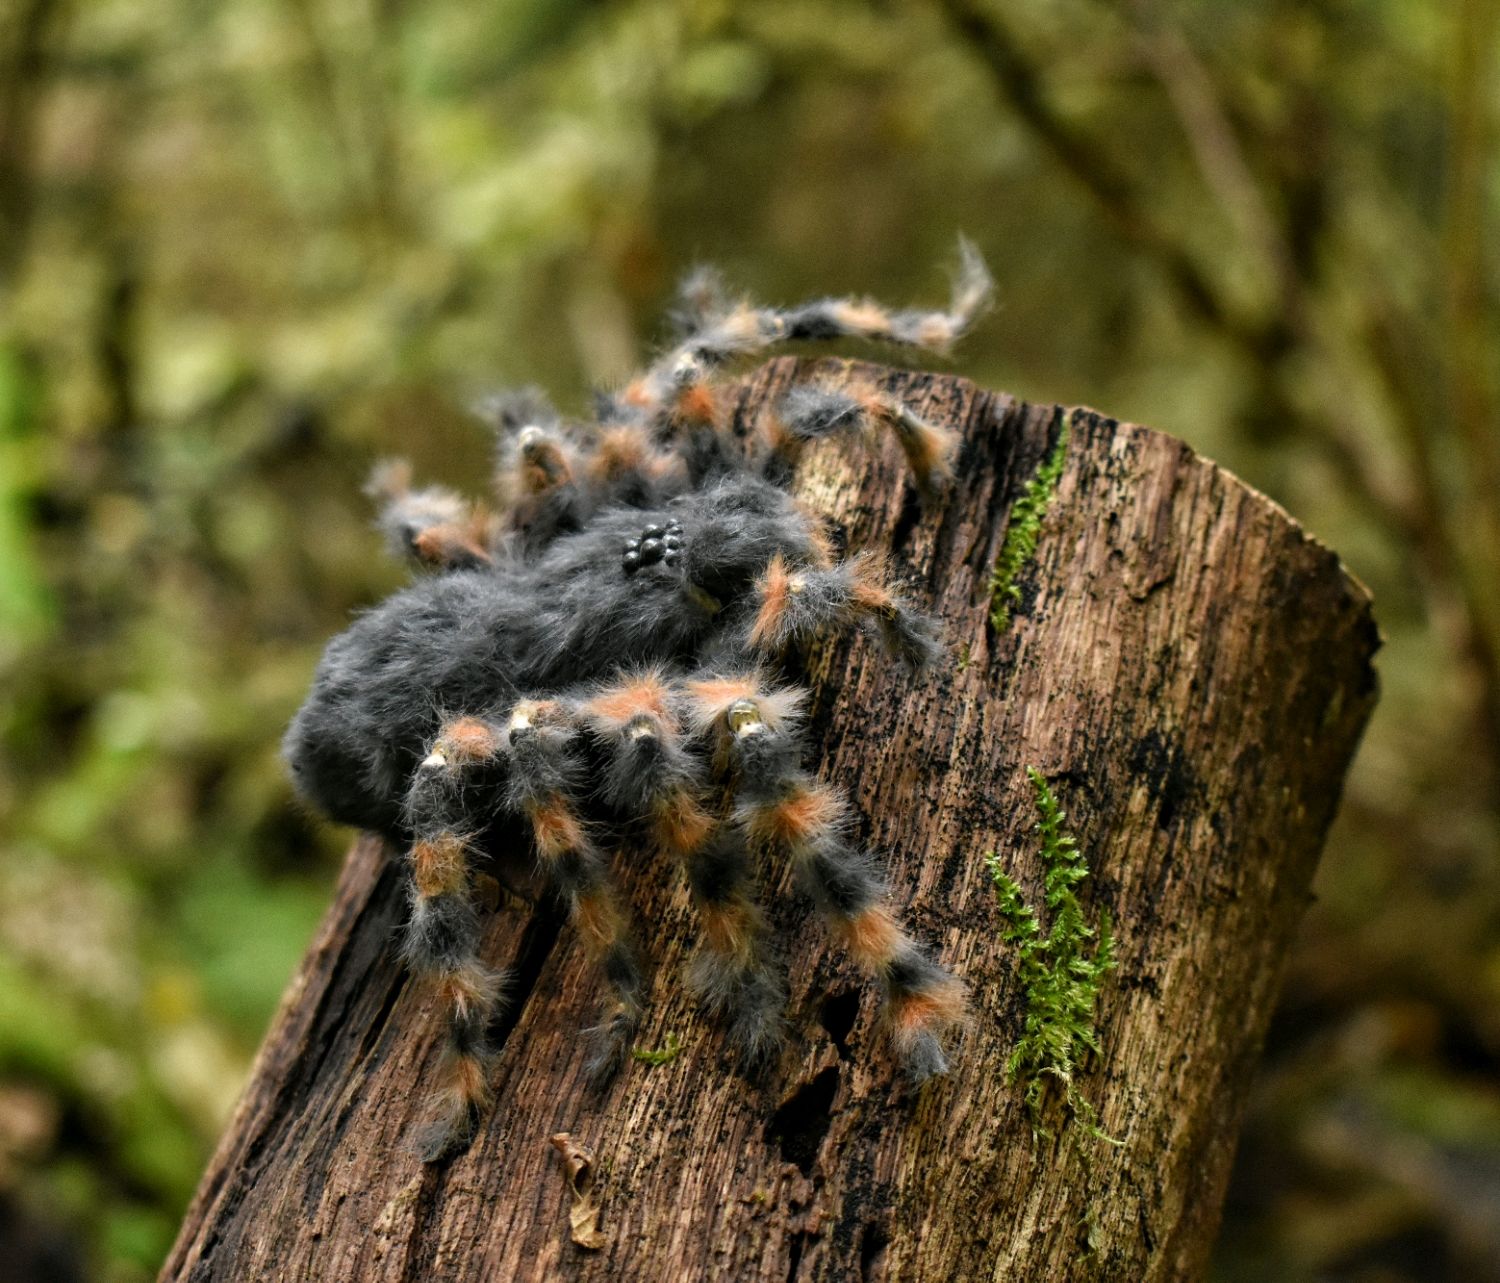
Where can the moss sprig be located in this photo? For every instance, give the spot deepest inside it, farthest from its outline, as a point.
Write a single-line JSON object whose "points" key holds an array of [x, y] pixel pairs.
{"points": [[658, 1056], [1023, 530], [1060, 974]]}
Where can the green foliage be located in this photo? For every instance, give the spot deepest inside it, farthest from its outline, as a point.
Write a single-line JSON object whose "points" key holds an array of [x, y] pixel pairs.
{"points": [[25, 605], [660, 1056], [1060, 974], [1023, 529]]}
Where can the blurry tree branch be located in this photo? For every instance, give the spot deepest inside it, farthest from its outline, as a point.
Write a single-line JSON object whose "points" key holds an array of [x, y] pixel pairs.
{"points": [[1451, 542], [1414, 503], [321, 76], [24, 42], [1088, 163], [1476, 26], [1264, 342], [1437, 539], [1220, 157], [1471, 332]]}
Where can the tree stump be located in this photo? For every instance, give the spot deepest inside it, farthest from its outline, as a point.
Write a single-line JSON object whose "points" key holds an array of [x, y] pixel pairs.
{"points": [[1190, 672]]}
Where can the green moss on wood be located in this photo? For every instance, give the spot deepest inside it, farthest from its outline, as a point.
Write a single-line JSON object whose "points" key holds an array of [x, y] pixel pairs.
{"points": [[1060, 973], [661, 1055], [1022, 530]]}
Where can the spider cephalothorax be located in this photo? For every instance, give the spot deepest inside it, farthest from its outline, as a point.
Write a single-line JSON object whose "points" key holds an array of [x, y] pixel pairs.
{"points": [[606, 650]]}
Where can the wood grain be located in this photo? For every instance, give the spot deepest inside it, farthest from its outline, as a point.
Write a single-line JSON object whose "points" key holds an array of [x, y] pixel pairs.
{"points": [[1189, 670]]}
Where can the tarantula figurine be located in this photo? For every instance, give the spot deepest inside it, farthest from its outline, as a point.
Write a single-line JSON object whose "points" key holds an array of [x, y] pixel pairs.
{"points": [[605, 654]]}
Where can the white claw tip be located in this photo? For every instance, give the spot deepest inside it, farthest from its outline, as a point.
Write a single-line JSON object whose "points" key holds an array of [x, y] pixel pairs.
{"points": [[744, 718]]}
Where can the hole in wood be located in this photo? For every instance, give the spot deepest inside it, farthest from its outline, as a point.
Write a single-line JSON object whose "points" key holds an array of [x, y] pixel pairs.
{"points": [[799, 1125], [837, 1017], [872, 1247]]}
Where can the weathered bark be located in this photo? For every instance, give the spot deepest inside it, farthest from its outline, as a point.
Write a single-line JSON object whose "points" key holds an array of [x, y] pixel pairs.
{"points": [[1189, 670]]}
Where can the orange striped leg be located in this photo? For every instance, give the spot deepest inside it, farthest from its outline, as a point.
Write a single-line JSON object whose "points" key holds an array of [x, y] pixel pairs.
{"points": [[432, 525], [538, 478], [543, 782], [785, 811], [795, 603], [863, 413], [626, 467], [651, 776], [443, 932]]}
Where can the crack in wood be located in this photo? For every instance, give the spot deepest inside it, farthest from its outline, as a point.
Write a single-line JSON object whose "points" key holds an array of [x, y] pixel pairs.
{"points": [[802, 1120], [872, 1244], [837, 1016]]}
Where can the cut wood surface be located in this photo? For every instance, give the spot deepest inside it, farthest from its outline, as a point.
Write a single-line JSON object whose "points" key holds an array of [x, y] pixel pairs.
{"points": [[1188, 669]]}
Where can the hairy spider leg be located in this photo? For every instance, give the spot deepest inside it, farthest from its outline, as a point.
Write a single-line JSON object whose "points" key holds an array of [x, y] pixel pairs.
{"points": [[539, 478], [433, 526], [675, 388], [781, 809], [860, 412], [444, 930], [508, 410], [552, 476], [652, 776], [544, 780], [795, 603], [624, 465], [681, 410], [701, 294], [722, 330]]}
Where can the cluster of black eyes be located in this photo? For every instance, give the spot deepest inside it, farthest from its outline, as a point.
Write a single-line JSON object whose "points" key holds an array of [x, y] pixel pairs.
{"points": [[655, 543]]}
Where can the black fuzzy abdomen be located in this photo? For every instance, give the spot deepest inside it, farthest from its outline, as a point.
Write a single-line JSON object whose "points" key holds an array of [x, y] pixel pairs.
{"points": [[468, 643], [384, 687]]}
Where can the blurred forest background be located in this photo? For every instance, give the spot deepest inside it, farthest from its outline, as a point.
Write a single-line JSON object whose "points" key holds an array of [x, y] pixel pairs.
{"points": [[249, 246]]}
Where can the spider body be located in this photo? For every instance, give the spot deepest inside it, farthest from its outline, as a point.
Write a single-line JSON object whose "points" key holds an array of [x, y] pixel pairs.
{"points": [[607, 651], [478, 639]]}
